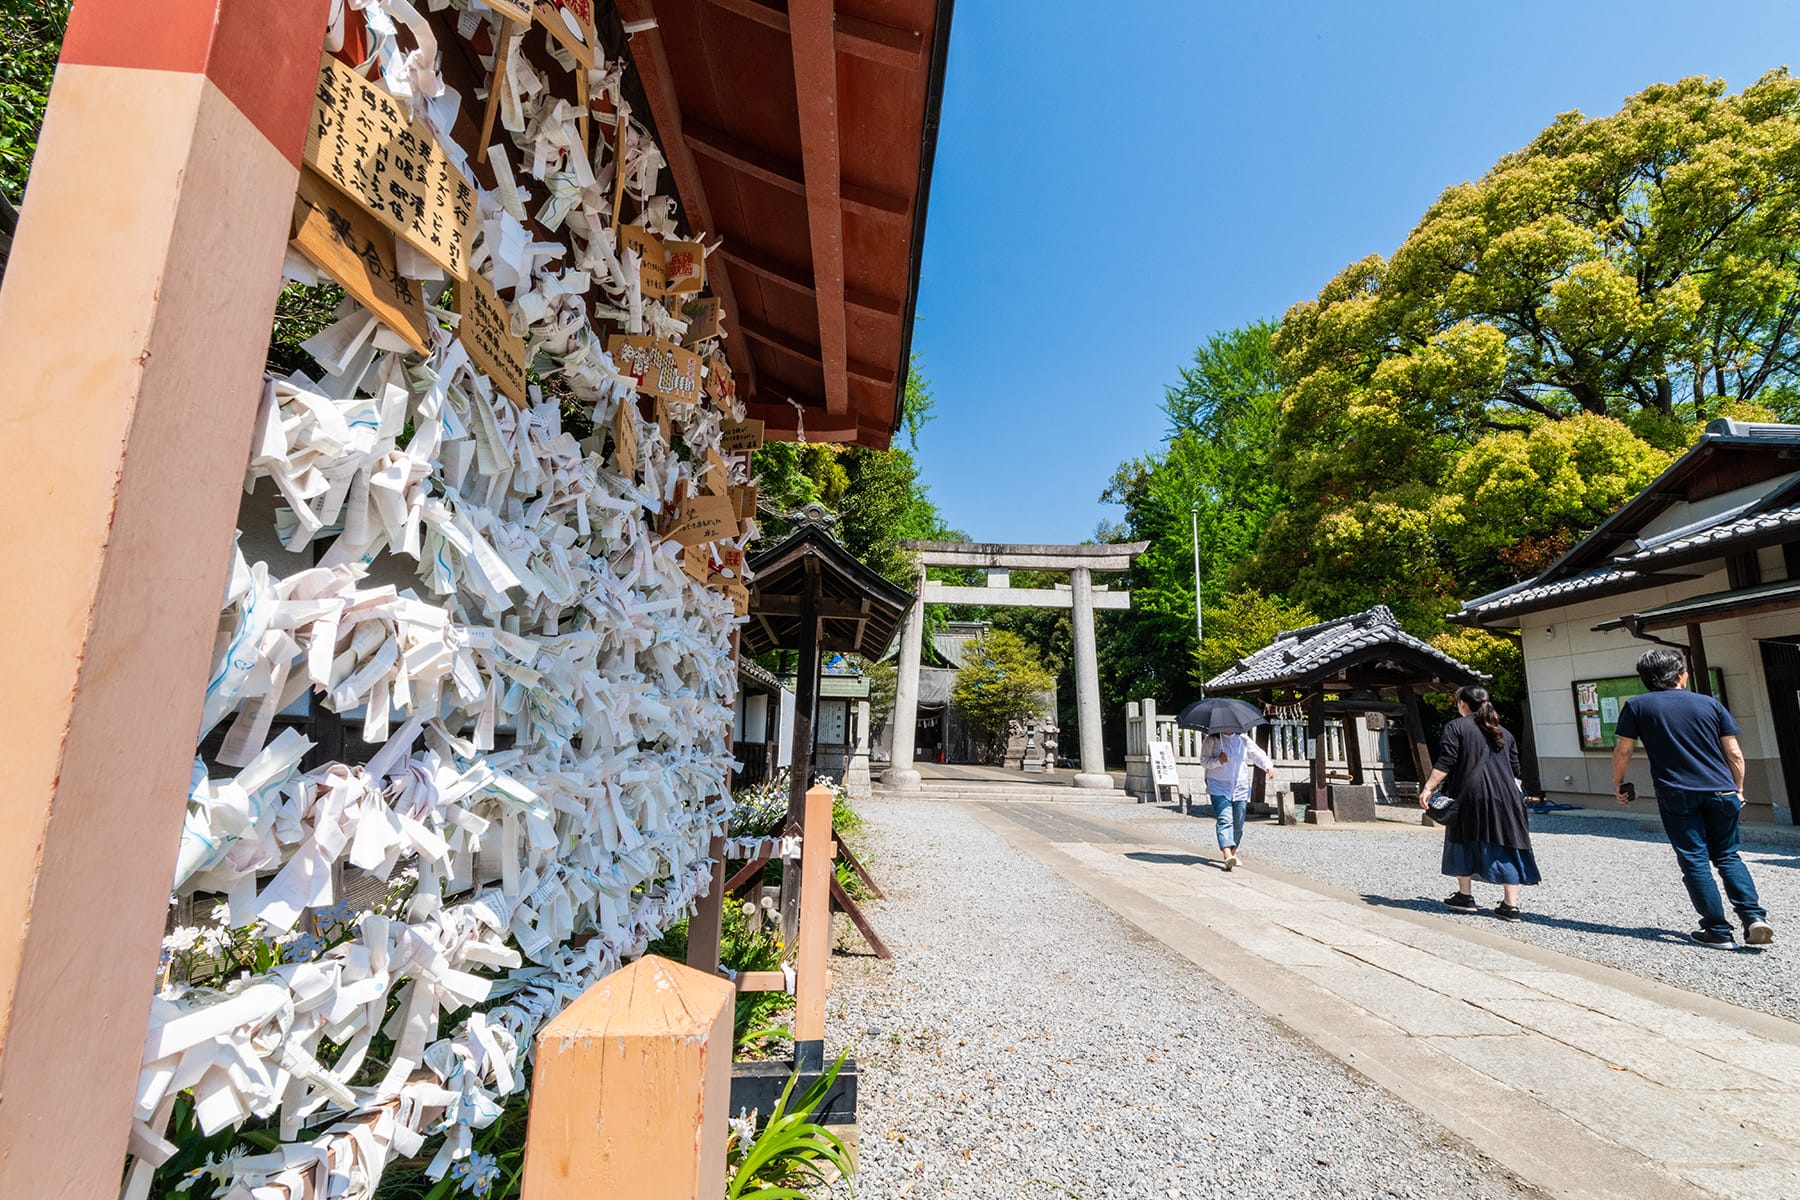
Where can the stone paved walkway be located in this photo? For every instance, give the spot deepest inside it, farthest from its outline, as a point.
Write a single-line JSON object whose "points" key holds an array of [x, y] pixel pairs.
{"points": [[1585, 1080]]}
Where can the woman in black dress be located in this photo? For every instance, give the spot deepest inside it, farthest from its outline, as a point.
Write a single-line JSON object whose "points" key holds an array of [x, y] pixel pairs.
{"points": [[1488, 837]]}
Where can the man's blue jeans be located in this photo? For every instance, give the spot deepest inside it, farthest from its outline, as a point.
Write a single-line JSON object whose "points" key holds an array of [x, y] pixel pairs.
{"points": [[1703, 828], [1230, 817]]}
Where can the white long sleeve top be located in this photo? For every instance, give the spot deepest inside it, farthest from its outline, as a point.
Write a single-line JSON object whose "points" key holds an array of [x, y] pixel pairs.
{"points": [[1242, 759]]}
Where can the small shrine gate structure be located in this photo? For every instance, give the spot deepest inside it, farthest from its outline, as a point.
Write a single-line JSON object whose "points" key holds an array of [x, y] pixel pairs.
{"points": [[1081, 598]]}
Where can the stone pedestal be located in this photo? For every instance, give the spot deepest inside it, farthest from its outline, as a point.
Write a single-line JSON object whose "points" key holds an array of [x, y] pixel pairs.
{"points": [[1286, 811], [1320, 816], [1099, 783], [1353, 802]]}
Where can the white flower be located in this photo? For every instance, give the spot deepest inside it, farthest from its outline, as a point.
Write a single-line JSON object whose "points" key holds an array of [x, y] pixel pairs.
{"points": [[221, 912], [182, 938]]}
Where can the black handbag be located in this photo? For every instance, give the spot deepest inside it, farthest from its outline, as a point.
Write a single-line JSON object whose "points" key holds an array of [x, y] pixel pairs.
{"points": [[1442, 808]]}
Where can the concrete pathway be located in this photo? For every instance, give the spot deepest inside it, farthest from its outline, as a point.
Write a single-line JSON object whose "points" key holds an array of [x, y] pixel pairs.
{"points": [[1586, 1081]]}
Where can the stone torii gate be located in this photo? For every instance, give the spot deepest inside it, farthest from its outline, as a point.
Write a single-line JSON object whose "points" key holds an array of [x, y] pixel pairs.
{"points": [[1081, 598]]}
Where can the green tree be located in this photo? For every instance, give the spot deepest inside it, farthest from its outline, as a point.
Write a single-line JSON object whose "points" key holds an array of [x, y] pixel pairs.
{"points": [[31, 32], [1002, 680], [1241, 624], [1643, 266]]}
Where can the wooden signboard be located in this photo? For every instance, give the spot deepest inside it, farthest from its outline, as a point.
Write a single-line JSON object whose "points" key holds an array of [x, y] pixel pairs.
{"points": [[653, 280], [740, 437], [728, 565], [705, 517], [662, 369], [362, 144], [745, 498], [570, 22], [512, 10], [665, 421], [625, 439], [719, 383], [341, 239], [702, 316], [486, 329]]}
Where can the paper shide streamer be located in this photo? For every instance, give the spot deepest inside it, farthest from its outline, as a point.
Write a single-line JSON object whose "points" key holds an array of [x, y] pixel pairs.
{"points": [[550, 690]]}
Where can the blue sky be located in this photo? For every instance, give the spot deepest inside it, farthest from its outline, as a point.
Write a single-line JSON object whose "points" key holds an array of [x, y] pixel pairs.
{"points": [[1116, 181]]}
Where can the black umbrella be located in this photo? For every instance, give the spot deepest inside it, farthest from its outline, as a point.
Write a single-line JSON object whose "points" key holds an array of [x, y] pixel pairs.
{"points": [[1221, 714]]}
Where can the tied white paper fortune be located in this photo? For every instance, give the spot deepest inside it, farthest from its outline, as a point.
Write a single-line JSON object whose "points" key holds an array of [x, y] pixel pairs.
{"points": [[540, 605]]}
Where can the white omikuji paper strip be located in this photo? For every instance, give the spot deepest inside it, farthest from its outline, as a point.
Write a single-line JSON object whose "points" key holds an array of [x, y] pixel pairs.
{"points": [[543, 604]]}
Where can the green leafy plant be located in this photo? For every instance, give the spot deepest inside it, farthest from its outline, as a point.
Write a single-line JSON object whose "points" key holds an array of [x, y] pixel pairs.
{"points": [[793, 1155]]}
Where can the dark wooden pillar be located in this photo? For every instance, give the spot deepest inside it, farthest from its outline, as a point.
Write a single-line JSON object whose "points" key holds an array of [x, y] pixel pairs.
{"points": [[1315, 733], [1415, 733], [1353, 749], [1699, 677], [1264, 735]]}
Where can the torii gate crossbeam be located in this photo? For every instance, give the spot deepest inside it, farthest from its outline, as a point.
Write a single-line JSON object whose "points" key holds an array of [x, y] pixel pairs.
{"points": [[1081, 599]]}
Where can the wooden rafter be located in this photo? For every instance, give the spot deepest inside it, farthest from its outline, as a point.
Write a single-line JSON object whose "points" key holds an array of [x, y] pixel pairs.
{"points": [[730, 151], [781, 342], [796, 279], [856, 36], [652, 63]]}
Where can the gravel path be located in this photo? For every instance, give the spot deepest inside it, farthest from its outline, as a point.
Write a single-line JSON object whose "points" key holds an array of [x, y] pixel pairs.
{"points": [[1026, 1043], [1611, 893]]}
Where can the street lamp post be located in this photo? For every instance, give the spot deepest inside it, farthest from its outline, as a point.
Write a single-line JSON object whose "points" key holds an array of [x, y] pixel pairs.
{"points": [[1199, 613]]}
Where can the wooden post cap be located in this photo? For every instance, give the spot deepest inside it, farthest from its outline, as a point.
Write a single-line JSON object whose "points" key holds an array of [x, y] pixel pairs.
{"points": [[632, 1089]]}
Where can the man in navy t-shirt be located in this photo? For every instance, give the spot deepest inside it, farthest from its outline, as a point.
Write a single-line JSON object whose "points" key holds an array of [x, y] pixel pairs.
{"points": [[1698, 771]]}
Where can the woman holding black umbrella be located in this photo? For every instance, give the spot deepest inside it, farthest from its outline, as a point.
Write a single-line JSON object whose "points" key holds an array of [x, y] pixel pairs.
{"points": [[1231, 761]]}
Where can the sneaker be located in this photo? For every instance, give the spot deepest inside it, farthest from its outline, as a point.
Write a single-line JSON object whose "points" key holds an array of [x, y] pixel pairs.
{"points": [[1721, 941], [1508, 912], [1231, 862], [1461, 900], [1759, 933]]}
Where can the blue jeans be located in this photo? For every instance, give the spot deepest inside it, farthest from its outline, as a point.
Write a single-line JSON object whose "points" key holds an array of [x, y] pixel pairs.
{"points": [[1230, 816], [1703, 828]]}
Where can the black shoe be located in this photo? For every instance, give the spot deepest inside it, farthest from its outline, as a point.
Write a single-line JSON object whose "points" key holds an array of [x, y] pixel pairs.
{"points": [[1720, 941], [1508, 912], [1461, 900]]}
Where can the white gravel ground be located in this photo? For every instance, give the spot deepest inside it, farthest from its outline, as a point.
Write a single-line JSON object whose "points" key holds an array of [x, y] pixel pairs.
{"points": [[1611, 893], [1026, 1043]]}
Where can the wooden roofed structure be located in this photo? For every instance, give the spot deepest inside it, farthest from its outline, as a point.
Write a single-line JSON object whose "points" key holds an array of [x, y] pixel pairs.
{"points": [[1358, 659], [803, 133]]}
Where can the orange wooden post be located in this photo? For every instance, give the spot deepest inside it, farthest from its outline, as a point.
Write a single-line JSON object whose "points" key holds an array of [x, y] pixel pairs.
{"points": [[632, 1089], [133, 329], [811, 982]]}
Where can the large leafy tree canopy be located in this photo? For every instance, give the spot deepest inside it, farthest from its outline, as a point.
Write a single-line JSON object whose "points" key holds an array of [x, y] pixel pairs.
{"points": [[1455, 415]]}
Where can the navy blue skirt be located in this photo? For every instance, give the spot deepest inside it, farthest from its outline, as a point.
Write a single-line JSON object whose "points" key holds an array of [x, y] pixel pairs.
{"points": [[1487, 861]]}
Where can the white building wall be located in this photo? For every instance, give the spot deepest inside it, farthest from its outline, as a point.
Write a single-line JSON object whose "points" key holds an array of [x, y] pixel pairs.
{"points": [[1561, 646]]}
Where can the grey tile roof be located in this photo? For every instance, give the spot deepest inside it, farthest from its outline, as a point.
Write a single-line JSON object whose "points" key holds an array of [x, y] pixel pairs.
{"points": [[1306, 653], [1725, 527], [1527, 595]]}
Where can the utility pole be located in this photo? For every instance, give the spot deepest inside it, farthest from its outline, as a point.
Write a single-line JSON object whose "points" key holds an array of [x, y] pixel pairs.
{"points": [[1199, 613]]}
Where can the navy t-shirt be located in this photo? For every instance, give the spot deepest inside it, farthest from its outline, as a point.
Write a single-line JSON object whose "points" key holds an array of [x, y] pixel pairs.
{"points": [[1681, 731]]}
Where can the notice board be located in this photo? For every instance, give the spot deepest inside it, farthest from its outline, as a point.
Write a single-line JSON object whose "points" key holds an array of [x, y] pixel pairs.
{"points": [[1597, 704]]}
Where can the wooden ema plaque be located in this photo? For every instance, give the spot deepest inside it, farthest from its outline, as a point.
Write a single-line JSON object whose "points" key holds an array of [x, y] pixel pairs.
{"points": [[745, 499], [625, 439], [486, 329], [661, 369], [665, 268], [339, 237], [702, 317], [362, 144], [705, 517], [571, 23], [719, 383], [512, 10], [740, 437]]}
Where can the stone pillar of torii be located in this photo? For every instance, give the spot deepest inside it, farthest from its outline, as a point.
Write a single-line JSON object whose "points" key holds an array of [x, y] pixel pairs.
{"points": [[1081, 597]]}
